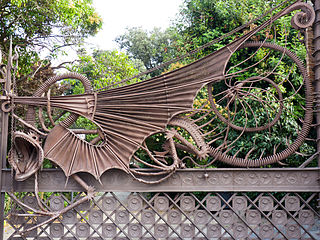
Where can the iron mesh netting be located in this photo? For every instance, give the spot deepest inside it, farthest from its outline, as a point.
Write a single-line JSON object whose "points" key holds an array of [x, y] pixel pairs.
{"points": [[200, 215]]}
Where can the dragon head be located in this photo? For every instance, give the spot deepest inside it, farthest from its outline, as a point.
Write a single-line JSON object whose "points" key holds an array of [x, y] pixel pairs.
{"points": [[26, 155]]}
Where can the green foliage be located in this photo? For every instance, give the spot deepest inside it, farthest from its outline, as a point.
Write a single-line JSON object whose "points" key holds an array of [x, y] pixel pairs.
{"points": [[47, 24], [104, 68], [151, 47], [41, 29]]}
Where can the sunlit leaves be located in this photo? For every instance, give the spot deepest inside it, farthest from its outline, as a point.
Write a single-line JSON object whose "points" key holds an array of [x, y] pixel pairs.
{"points": [[105, 68]]}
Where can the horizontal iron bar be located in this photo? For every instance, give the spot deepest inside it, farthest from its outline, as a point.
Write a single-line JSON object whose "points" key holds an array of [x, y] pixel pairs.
{"points": [[186, 180]]}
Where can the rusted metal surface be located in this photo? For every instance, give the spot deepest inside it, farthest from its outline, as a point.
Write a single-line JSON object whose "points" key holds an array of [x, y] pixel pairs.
{"points": [[279, 203], [177, 216], [217, 180], [128, 115]]}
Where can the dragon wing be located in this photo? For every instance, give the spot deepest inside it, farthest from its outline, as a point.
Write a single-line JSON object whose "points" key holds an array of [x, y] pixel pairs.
{"points": [[128, 115]]}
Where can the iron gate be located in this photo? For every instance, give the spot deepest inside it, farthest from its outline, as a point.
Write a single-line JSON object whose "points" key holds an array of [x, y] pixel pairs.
{"points": [[210, 203], [227, 204]]}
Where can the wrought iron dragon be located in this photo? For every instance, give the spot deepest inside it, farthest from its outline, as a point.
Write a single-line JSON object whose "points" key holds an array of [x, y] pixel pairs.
{"points": [[128, 115]]}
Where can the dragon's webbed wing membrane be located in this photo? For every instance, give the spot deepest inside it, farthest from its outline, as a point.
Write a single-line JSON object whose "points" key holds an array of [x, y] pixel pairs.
{"points": [[131, 113], [75, 155], [128, 115]]}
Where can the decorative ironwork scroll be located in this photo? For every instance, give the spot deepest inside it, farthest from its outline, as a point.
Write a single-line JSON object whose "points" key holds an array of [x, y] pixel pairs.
{"points": [[127, 115], [209, 110]]}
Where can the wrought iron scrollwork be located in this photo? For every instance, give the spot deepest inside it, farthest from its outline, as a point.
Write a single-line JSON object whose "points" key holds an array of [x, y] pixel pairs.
{"points": [[238, 92], [234, 105], [303, 19], [124, 128]]}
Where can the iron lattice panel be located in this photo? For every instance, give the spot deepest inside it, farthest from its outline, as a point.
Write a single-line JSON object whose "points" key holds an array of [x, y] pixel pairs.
{"points": [[175, 216]]}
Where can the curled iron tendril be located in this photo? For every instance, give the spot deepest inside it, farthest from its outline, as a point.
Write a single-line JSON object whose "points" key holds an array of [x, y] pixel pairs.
{"points": [[303, 19]]}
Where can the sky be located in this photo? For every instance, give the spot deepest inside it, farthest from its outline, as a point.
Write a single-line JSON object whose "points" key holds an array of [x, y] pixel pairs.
{"points": [[118, 15]]}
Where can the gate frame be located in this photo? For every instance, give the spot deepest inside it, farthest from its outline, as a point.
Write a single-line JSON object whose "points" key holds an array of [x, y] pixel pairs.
{"points": [[188, 180]]}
